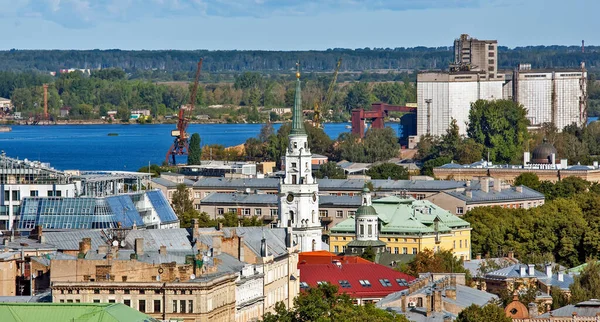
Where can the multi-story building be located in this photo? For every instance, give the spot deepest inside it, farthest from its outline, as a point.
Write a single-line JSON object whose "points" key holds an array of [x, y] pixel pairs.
{"points": [[409, 226], [550, 96], [475, 55], [480, 194]]}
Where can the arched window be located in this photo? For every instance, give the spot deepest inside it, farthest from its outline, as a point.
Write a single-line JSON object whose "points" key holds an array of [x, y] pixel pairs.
{"points": [[314, 216], [314, 245], [292, 217]]}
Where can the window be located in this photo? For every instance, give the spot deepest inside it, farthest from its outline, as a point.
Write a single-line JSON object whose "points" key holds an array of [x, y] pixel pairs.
{"points": [[58, 193], [142, 291], [321, 282], [490, 61], [96, 291], [127, 302], [257, 211], [62, 301], [111, 292], [401, 282], [190, 306], [294, 165], [232, 210], [126, 292], [274, 212], [491, 54], [33, 193], [414, 251], [322, 213], [396, 250], [336, 249], [339, 213], [294, 179], [156, 291], [460, 210], [174, 306], [404, 250], [365, 283], [385, 282], [111, 301], [304, 285], [454, 244], [142, 306], [246, 211], [157, 306], [370, 230], [344, 283], [197, 195], [96, 301], [362, 229], [182, 306], [466, 243], [351, 213], [295, 145], [460, 244], [16, 195], [220, 211]]}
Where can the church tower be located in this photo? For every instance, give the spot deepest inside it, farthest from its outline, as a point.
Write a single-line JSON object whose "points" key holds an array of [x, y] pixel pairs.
{"points": [[366, 223], [299, 192]]}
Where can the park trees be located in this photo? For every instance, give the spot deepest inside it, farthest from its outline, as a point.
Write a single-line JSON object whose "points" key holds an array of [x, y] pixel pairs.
{"points": [[330, 170], [388, 170], [487, 313], [586, 285], [499, 125], [194, 152], [442, 261]]}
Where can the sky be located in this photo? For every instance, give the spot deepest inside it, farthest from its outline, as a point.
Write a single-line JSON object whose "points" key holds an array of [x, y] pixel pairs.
{"points": [[291, 24]]}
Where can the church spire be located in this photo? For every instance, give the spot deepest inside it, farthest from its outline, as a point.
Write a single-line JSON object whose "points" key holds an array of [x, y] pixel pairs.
{"points": [[297, 119]]}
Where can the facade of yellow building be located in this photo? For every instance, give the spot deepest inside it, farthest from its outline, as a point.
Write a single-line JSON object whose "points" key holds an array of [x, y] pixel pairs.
{"points": [[409, 226]]}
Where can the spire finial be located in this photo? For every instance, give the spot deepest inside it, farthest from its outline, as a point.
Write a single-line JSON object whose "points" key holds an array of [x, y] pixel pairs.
{"points": [[298, 69], [297, 119]]}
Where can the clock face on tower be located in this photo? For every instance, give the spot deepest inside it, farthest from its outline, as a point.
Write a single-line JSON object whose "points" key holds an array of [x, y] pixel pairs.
{"points": [[290, 197]]}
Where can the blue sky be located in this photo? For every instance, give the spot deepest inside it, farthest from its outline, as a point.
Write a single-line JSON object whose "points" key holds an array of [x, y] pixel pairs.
{"points": [[291, 24]]}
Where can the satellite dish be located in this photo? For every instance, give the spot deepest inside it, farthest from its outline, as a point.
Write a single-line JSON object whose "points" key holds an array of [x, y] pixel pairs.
{"points": [[122, 243], [115, 243], [192, 277]]}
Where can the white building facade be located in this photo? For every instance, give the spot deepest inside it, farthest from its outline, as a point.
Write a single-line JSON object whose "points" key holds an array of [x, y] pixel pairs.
{"points": [[299, 191], [442, 97]]}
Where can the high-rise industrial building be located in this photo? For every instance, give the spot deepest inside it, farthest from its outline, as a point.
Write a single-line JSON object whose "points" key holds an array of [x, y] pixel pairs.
{"points": [[471, 54], [550, 96]]}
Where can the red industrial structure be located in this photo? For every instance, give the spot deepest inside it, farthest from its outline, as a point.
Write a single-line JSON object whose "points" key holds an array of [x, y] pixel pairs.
{"points": [[376, 115], [181, 143]]}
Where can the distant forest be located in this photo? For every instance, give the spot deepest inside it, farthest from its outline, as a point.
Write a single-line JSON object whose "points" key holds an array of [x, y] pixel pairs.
{"points": [[179, 65]]}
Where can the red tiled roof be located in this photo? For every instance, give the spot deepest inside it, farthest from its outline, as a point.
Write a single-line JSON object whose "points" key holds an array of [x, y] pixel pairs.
{"points": [[353, 273], [325, 257]]}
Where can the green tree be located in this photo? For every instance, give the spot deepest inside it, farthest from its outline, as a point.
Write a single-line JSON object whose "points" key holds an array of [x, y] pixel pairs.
{"points": [[369, 254], [388, 170], [442, 261], [182, 201], [324, 304], [528, 179], [586, 285], [195, 152], [501, 126], [359, 96], [330, 170], [487, 313]]}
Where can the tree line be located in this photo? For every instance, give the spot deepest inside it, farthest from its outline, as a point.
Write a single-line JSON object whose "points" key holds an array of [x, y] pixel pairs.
{"points": [[237, 61]]}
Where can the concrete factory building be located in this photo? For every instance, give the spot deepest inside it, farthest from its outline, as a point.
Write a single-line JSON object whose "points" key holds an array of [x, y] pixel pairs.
{"points": [[443, 96], [558, 97]]}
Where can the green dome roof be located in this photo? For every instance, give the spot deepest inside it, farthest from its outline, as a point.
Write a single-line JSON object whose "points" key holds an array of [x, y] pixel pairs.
{"points": [[366, 211]]}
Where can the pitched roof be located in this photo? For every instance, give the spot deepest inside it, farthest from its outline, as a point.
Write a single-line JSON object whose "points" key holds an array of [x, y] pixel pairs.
{"points": [[354, 273], [228, 198], [514, 271], [507, 194], [325, 257], [69, 240], [583, 309], [50, 312], [407, 215], [275, 238], [174, 239]]}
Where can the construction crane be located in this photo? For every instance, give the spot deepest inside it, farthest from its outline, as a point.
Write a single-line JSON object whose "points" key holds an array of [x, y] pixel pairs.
{"points": [[181, 142], [317, 120]]}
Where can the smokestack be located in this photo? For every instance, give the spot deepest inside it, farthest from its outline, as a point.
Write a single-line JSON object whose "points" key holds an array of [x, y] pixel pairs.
{"points": [[263, 247], [139, 246], [288, 237]]}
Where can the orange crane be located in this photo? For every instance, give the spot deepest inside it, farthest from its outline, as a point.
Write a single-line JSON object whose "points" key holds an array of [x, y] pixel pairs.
{"points": [[181, 142], [317, 120]]}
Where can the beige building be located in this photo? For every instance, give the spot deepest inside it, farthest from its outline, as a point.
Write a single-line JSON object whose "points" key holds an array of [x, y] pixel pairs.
{"points": [[481, 193]]}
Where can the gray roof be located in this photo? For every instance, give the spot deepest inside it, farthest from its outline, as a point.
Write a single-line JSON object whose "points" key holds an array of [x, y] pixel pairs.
{"points": [[174, 239], [507, 194], [513, 271], [567, 280], [465, 296], [228, 263], [229, 198], [352, 201], [275, 238], [170, 184], [474, 265], [45, 259], [26, 243], [69, 240], [587, 308], [148, 257], [333, 184]]}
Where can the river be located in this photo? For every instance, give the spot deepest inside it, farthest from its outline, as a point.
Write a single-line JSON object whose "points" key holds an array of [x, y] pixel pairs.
{"points": [[88, 147]]}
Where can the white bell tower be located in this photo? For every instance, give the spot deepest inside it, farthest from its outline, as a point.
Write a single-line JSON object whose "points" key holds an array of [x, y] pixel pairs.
{"points": [[299, 192]]}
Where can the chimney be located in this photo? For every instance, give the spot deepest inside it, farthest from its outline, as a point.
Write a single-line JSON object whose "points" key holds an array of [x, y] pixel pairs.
{"points": [[526, 158], [485, 184], [85, 245], [533, 309], [263, 248], [39, 233], [403, 300], [241, 248], [519, 189], [478, 256], [102, 249], [561, 277], [468, 183], [522, 270], [453, 280], [497, 185], [531, 270], [469, 194], [549, 270], [162, 250], [427, 302], [451, 293], [216, 245], [139, 247], [437, 301]]}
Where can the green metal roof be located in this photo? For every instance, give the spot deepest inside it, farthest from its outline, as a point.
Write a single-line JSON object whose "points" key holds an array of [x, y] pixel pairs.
{"points": [[407, 216], [60, 312], [366, 211]]}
